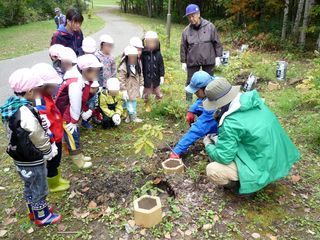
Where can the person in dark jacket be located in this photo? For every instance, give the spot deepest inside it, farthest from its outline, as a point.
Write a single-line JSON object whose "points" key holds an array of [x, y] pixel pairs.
{"points": [[200, 45], [70, 34], [29, 145], [59, 18], [152, 68]]}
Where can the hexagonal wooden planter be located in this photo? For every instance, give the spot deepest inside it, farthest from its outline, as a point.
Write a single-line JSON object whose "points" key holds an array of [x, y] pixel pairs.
{"points": [[172, 165], [147, 211]]}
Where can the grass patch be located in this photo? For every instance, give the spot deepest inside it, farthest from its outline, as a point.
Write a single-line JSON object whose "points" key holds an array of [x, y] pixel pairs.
{"points": [[28, 38]]}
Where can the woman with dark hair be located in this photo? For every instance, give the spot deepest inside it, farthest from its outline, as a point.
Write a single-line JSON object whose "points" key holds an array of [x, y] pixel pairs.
{"points": [[70, 34]]}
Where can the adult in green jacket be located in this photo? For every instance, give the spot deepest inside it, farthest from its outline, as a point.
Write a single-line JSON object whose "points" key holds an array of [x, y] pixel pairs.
{"points": [[252, 149]]}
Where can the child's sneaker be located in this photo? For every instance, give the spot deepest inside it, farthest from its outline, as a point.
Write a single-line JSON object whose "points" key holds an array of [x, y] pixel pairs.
{"points": [[135, 119], [127, 120]]}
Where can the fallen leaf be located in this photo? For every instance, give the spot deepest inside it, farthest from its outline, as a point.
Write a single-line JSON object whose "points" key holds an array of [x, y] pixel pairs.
{"points": [[92, 205], [271, 237], [132, 223], [311, 232], [30, 230], [295, 178], [86, 189], [181, 232], [84, 215], [143, 232], [216, 218], [79, 215], [188, 232], [167, 236], [3, 232], [307, 210], [207, 226], [111, 195], [72, 195], [210, 190], [9, 221], [61, 227], [157, 180], [10, 211], [6, 169], [255, 235]]}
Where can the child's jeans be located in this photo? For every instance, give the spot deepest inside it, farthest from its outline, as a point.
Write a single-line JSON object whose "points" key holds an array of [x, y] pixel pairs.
{"points": [[54, 163], [131, 107], [148, 91], [72, 140], [35, 182]]}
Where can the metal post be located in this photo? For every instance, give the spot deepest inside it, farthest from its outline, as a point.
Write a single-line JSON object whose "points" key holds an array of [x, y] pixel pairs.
{"points": [[168, 26]]}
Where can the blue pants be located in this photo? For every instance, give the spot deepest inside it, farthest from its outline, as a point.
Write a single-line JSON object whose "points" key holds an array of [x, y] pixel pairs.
{"points": [[35, 182], [72, 140], [131, 107]]}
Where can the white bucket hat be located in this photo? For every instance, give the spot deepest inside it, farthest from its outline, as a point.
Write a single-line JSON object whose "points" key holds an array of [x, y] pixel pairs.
{"points": [[136, 42], [55, 50], [46, 73], [151, 35], [68, 55], [89, 45], [23, 80], [105, 38], [113, 84], [88, 61], [130, 50]]}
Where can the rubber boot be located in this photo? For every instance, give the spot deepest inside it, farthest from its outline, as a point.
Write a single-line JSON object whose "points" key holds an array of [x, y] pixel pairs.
{"points": [[62, 180], [30, 214], [135, 119], [43, 216], [79, 161], [86, 124], [148, 107], [56, 186]]}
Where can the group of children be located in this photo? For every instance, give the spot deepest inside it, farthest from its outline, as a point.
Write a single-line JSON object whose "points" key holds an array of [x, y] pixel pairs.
{"points": [[50, 100]]}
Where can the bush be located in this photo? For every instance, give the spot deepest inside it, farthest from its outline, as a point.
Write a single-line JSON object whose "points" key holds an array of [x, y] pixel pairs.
{"points": [[24, 11]]}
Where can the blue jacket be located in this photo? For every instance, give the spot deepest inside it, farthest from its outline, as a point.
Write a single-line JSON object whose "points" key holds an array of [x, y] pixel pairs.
{"points": [[67, 39], [204, 125]]}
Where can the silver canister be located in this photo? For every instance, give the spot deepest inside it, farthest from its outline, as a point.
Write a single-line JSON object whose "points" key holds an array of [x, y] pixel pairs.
{"points": [[225, 57], [281, 71]]}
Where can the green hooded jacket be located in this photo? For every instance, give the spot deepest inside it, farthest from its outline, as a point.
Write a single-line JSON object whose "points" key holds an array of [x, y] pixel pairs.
{"points": [[251, 135]]}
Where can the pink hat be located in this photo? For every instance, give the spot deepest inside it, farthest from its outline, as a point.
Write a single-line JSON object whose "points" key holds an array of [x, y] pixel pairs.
{"points": [[55, 50], [46, 73], [89, 45], [88, 61], [95, 84], [68, 55], [23, 80]]}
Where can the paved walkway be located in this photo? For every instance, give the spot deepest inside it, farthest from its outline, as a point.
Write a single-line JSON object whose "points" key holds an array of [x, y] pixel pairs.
{"points": [[116, 26]]}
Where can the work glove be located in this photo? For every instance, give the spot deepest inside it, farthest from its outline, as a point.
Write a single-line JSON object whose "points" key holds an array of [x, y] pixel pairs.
{"points": [[45, 122], [86, 115], [161, 80], [174, 155], [141, 91], [54, 149], [206, 140], [125, 95], [116, 119], [71, 127], [218, 61], [190, 117], [184, 67]]}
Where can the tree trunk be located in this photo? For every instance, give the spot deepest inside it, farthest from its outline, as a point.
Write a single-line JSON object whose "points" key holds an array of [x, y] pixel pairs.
{"points": [[298, 17], [307, 7], [149, 8], [285, 20], [318, 43]]}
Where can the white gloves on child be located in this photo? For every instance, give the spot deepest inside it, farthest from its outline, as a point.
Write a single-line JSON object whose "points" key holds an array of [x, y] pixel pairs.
{"points": [[184, 67], [125, 95], [161, 80], [141, 91], [86, 115], [71, 127], [116, 119], [218, 61], [52, 154], [45, 121]]}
